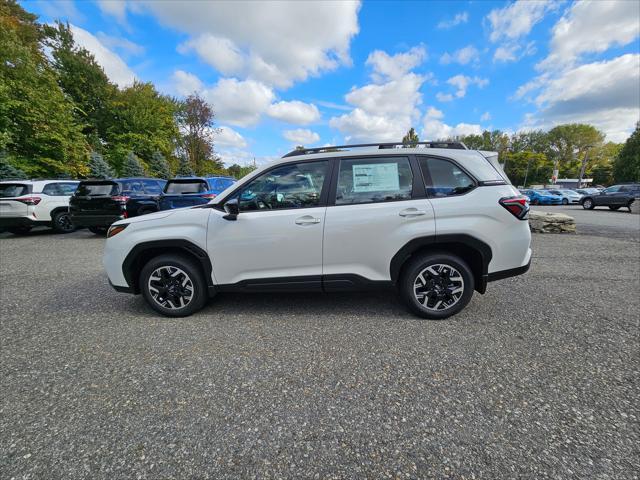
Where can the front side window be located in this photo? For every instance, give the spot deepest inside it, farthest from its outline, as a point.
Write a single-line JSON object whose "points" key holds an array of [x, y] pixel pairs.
{"points": [[290, 186], [444, 178], [371, 180], [612, 189]]}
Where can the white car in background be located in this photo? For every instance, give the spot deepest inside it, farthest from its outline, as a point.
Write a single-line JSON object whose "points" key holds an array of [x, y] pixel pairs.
{"points": [[25, 204], [568, 196]]}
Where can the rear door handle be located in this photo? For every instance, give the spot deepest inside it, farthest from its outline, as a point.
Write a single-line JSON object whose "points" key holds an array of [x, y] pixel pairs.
{"points": [[307, 220], [412, 212]]}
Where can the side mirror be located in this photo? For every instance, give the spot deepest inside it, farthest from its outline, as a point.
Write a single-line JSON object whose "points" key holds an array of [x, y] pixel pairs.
{"points": [[232, 208]]}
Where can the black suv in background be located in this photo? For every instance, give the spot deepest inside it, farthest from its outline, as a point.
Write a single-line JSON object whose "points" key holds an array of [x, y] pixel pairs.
{"points": [[96, 204], [613, 197]]}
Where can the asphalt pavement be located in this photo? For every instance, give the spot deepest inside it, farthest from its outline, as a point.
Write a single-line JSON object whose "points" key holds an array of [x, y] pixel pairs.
{"points": [[538, 378]]}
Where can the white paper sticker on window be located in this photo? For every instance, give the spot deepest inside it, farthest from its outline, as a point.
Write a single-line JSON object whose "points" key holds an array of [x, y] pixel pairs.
{"points": [[376, 177]]}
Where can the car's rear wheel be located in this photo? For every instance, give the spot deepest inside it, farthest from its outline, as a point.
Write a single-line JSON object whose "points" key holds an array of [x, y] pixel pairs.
{"points": [[173, 285], [588, 204], [19, 230], [98, 230], [62, 223], [436, 285], [614, 207]]}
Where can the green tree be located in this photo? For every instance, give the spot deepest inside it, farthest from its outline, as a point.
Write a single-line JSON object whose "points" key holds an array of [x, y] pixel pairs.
{"points": [[37, 123], [527, 168], [8, 171], [83, 80], [159, 167], [533, 141], [196, 120], [132, 166], [98, 167], [411, 139], [626, 167], [184, 168], [569, 144]]}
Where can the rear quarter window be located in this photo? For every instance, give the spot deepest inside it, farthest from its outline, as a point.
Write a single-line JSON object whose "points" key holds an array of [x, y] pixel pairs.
{"points": [[185, 187], [8, 190]]}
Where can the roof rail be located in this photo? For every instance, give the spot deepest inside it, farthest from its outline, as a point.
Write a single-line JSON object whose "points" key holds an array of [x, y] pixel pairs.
{"points": [[337, 148]]}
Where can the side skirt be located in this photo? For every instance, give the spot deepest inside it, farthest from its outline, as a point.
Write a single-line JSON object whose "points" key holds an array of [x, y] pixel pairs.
{"points": [[313, 283]]}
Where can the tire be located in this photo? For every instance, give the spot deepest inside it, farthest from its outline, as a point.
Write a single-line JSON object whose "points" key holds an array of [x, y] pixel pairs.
{"points": [[534, 202], [565, 201], [437, 267], [614, 207], [19, 230], [173, 270], [62, 223], [98, 230], [588, 204]]}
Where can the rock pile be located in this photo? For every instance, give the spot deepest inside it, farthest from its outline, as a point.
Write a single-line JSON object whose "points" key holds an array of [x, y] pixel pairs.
{"points": [[545, 222]]}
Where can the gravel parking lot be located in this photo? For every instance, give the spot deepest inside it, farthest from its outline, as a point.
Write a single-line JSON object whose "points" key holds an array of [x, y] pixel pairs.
{"points": [[539, 378]]}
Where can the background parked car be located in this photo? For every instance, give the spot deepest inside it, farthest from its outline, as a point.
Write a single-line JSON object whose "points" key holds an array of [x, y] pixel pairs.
{"points": [[96, 204], [190, 191], [588, 191], [25, 204], [613, 197], [568, 196], [542, 197]]}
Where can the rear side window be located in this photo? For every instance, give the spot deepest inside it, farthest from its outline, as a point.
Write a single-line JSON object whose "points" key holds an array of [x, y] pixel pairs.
{"points": [[13, 190], [97, 189], [444, 178], [220, 183], [59, 189], [132, 187], [370, 180], [151, 187], [185, 187]]}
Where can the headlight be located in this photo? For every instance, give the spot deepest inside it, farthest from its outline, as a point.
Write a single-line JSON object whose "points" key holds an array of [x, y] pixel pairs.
{"points": [[116, 229]]}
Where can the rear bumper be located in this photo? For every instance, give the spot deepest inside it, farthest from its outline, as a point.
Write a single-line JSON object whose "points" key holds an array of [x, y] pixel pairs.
{"points": [[95, 220], [512, 272], [8, 222]]}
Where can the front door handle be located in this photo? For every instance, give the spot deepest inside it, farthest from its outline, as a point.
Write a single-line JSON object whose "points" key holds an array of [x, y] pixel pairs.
{"points": [[307, 220], [412, 212]]}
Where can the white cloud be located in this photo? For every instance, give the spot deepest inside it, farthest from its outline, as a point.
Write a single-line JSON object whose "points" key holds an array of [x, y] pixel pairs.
{"points": [[114, 67], [301, 136], [435, 129], [461, 83], [119, 43], [365, 126], [239, 102], [186, 83], [510, 52], [589, 27], [228, 137], [485, 117], [463, 56], [604, 94], [221, 53], [462, 17], [389, 67], [518, 18], [279, 42], [295, 112]]}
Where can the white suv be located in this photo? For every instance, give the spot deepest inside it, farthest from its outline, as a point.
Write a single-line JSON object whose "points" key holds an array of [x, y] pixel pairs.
{"points": [[437, 221], [25, 204]]}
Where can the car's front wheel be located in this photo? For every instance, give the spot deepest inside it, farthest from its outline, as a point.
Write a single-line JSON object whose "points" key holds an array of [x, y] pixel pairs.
{"points": [[588, 204], [62, 223], [173, 285], [437, 285], [565, 201]]}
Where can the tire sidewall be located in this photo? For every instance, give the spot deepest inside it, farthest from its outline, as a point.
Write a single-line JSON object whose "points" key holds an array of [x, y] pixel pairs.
{"points": [[56, 224], [200, 290], [587, 204], [420, 263]]}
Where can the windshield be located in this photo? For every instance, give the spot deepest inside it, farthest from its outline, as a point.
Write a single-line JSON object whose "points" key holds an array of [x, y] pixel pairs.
{"points": [[13, 190], [183, 187], [97, 189]]}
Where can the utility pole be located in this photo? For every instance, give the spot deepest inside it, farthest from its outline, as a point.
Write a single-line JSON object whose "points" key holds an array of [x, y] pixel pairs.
{"points": [[584, 166], [526, 173]]}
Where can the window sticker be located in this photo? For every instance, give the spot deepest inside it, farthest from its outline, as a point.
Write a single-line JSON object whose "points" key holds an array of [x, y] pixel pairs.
{"points": [[376, 177]]}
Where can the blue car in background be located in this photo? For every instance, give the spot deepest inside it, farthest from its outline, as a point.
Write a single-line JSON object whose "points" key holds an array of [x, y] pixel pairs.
{"points": [[191, 191], [542, 197]]}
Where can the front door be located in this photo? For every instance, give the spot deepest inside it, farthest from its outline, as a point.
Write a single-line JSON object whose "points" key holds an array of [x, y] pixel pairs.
{"points": [[277, 237]]}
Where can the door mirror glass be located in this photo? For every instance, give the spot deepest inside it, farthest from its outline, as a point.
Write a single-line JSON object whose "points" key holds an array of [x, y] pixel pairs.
{"points": [[232, 208]]}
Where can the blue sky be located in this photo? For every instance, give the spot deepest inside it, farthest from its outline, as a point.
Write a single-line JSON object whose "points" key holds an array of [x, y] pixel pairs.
{"points": [[315, 73]]}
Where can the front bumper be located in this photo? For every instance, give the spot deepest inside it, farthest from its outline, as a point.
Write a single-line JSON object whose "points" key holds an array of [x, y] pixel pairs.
{"points": [[8, 222]]}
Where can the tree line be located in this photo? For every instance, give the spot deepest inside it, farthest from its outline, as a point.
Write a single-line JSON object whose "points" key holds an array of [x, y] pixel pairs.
{"points": [[574, 150], [60, 115]]}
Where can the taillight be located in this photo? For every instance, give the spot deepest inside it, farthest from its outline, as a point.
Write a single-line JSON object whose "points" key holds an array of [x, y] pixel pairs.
{"points": [[517, 206], [29, 200], [120, 198], [209, 195]]}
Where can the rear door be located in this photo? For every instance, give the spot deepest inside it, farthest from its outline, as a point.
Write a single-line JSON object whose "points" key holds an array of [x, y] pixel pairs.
{"points": [[376, 205], [95, 198], [9, 205], [608, 196], [180, 193]]}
